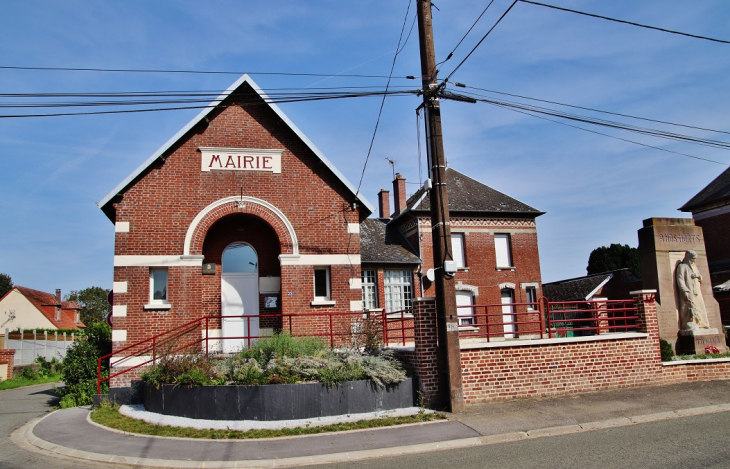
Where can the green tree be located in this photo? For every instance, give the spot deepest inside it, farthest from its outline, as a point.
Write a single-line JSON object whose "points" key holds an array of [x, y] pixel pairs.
{"points": [[614, 257], [93, 302], [80, 367], [6, 284]]}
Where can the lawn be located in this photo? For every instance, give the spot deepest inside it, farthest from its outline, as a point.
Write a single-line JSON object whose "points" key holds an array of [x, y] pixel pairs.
{"points": [[109, 416], [21, 381]]}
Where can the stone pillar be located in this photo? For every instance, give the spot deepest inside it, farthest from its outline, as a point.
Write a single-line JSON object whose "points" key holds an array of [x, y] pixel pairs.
{"points": [[663, 243], [7, 358], [426, 351]]}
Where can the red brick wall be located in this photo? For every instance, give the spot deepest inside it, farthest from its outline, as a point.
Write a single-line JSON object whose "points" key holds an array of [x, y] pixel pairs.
{"points": [[7, 356]]}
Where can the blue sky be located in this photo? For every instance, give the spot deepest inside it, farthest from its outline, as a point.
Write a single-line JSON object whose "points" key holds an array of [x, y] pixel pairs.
{"points": [[596, 190]]}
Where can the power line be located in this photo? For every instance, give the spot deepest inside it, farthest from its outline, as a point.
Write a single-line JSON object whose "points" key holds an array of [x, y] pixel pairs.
{"points": [[594, 109], [481, 40], [612, 136], [626, 22], [204, 72], [451, 54]]}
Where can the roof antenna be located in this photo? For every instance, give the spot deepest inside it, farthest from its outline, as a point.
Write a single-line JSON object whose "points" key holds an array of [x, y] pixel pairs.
{"points": [[392, 165]]}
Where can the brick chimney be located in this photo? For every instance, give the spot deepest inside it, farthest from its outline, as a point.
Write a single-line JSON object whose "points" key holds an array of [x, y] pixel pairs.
{"points": [[58, 306], [384, 203], [399, 193]]}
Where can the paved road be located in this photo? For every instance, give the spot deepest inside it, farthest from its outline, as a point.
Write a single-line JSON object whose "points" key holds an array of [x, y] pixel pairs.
{"points": [[18, 406], [689, 442]]}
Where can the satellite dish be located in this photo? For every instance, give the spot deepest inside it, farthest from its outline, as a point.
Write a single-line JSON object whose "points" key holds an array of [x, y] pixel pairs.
{"points": [[430, 275]]}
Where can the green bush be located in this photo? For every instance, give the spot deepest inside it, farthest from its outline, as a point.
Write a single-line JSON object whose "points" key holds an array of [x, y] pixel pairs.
{"points": [[666, 350], [29, 373], [80, 367], [183, 370], [283, 345]]}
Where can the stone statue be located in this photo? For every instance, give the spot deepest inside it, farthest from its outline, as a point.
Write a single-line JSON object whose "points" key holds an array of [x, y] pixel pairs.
{"points": [[692, 313]]}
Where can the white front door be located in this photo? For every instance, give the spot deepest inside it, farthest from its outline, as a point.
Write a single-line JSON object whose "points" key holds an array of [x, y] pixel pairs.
{"points": [[507, 314], [240, 299]]}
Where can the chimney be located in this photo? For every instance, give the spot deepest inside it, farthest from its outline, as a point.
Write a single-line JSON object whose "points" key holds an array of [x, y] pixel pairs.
{"points": [[58, 306], [399, 193], [384, 203]]}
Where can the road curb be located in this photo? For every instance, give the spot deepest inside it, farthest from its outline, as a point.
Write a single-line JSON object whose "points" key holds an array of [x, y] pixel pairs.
{"points": [[25, 438]]}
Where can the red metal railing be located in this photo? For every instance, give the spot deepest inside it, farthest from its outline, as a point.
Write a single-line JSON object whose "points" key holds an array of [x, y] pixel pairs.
{"points": [[488, 321]]}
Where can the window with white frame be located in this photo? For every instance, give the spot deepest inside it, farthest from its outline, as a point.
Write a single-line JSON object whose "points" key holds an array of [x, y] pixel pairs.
{"points": [[531, 297], [457, 249], [398, 290], [158, 286], [369, 289], [503, 251], [321, 284]]}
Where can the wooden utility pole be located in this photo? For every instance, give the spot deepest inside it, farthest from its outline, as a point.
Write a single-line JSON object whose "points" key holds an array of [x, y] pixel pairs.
{"points": [[446, 316]]}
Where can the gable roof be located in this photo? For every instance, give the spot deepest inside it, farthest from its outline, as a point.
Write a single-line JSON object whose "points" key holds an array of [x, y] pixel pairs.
{"points": [[203, 114], [585, 288], [47, 303], [383, 244], [469, 195], [716, 191]]}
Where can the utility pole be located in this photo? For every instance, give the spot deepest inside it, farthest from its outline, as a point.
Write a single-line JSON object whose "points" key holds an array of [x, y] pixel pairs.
{"points": [[446, 317]]}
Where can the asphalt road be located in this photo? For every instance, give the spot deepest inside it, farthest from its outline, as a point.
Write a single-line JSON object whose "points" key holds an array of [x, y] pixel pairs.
{"points": [[701, 441], [18, 406]]}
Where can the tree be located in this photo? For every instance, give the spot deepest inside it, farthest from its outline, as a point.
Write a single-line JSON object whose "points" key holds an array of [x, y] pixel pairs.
{"points": [[6, 284], [614, 257], [93, 302]]}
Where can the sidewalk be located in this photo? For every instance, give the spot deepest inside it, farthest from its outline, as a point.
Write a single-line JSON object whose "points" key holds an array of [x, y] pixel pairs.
{"points": [[68, 432]]}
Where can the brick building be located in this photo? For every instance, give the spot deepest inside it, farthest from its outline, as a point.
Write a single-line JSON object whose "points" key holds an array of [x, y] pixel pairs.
{"points": [[710, 210], [238, 211], [493, 241]]}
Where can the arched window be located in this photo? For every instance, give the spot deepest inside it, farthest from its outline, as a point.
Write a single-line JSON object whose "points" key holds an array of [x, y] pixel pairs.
{"points": [[240, 258]]}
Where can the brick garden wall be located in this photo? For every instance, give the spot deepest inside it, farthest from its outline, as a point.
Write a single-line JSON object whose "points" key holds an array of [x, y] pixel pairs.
{"points": [[7, 357]]}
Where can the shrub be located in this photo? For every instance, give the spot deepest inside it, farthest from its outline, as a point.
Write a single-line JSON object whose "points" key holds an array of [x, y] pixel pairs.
{"points": [[80, 371], [666, 350], [29, 373], [283, 345], [193, 369]]}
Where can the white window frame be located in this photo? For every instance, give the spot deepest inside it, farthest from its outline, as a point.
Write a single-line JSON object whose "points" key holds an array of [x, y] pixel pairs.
{"points": [[158, 303], [458, 249], [531, 291], [328, 296], [398, 290], [369, 289], [503, 250]]}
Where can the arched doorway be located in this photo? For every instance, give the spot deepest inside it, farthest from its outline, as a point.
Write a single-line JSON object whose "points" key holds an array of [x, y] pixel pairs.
{"points": [[239, 296]]}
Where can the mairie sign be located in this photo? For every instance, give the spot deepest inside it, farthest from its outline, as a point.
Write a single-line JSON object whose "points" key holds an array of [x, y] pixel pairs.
{"points": [[240, 159]]}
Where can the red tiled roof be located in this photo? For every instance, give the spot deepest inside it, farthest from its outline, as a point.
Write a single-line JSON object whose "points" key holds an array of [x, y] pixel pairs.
{"points": [[47, 303]]}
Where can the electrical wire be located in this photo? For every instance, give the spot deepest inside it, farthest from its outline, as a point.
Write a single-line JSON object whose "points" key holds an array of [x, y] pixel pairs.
{"points": [[451, 54], [592, 15], [480, 41], [594, 109], [203, 72]]}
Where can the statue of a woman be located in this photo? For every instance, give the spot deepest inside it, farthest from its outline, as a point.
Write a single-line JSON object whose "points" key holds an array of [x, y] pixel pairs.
{"points": [[692, 313]]}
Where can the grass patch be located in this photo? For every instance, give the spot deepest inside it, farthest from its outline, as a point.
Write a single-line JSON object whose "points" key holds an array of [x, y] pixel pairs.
{"points": [[22, 381], [109, 416]]}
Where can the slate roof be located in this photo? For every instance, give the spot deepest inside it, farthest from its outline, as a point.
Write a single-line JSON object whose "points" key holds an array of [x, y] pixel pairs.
{"points": [[46, 303], [575, 289], [716, 191], [381, 244], [469, 195]]}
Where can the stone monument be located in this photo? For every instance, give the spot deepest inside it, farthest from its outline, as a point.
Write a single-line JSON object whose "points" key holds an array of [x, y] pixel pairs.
{"points": [[674, 263]]}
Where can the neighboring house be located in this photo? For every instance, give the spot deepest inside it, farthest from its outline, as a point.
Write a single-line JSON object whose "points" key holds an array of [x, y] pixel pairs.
{"points": [[614, 285], [26, 308], [710, 210], [493, 241]]}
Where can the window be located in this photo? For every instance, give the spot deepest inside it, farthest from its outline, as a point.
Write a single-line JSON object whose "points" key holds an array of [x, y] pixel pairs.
{"points": [[531, 297], [398, 290], [502, 248], [464, 308], [158, 286], [321, 284], [240, 258], [457, 249], [369, 290]]}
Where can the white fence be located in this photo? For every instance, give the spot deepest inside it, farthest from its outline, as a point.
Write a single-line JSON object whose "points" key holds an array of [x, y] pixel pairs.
{"points": [[43, 344]]}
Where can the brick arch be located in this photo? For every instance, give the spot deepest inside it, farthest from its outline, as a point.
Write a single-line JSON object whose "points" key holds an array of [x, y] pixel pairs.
{"points": [[236, 204]]}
